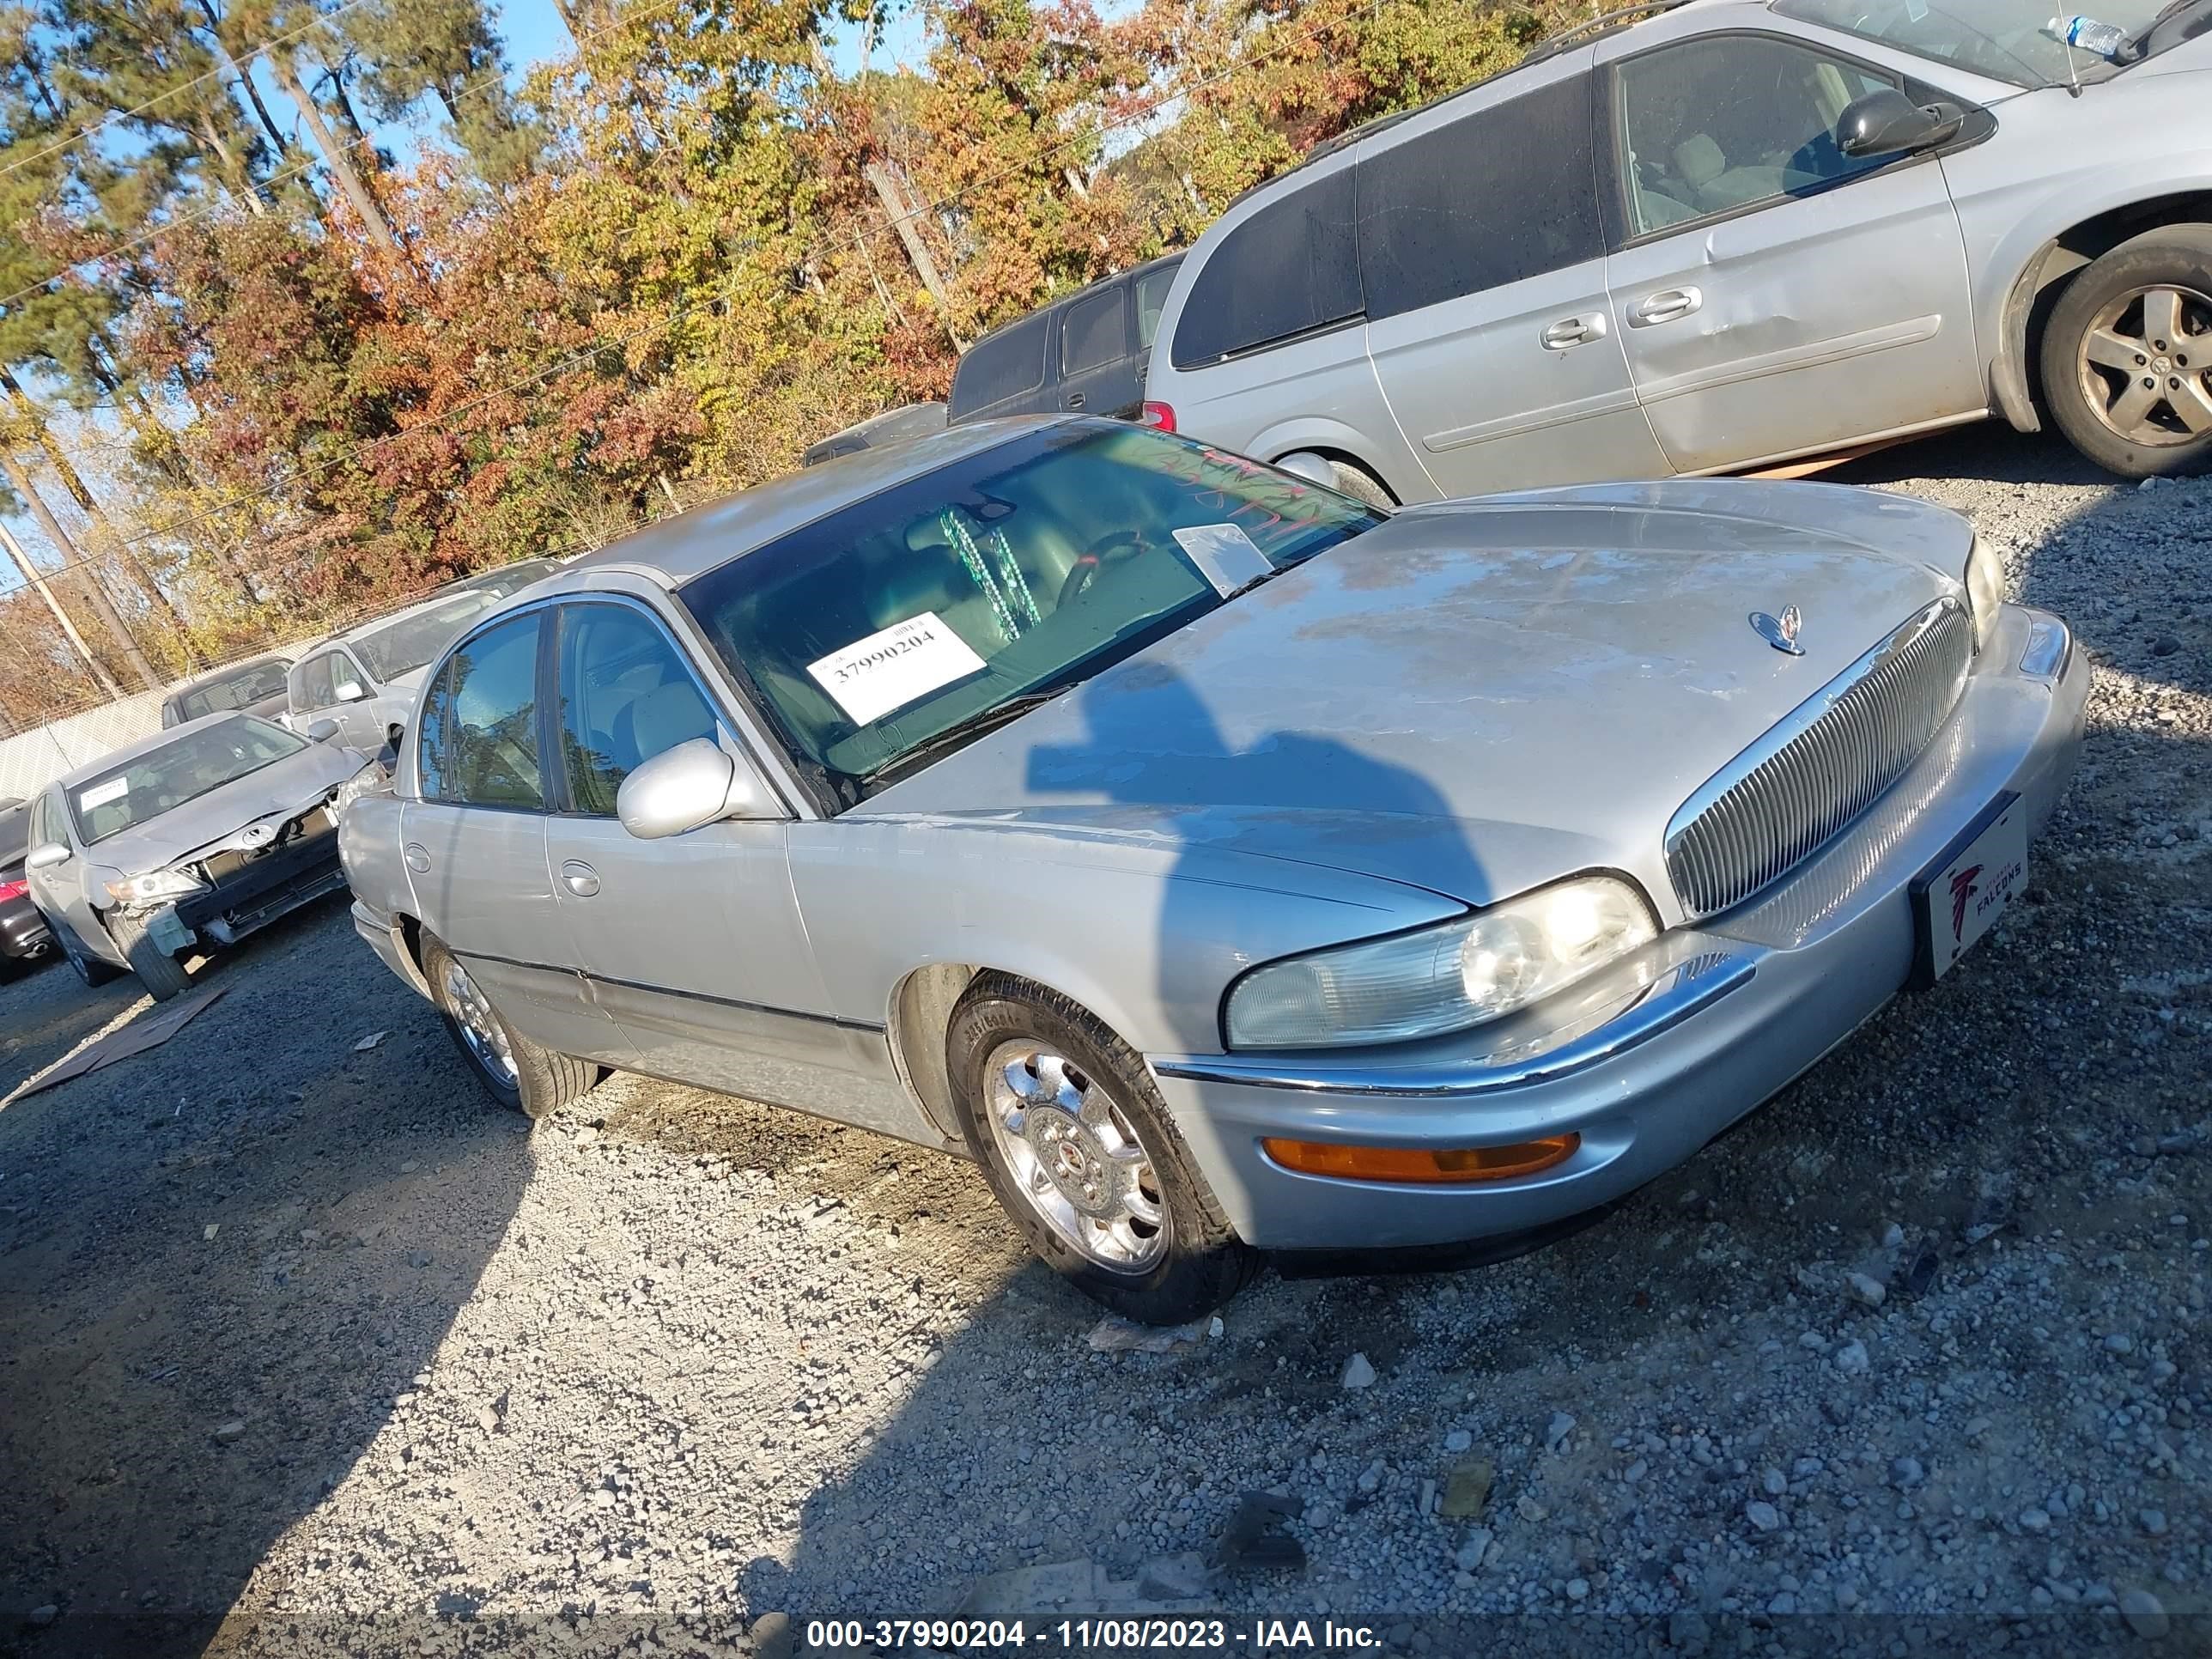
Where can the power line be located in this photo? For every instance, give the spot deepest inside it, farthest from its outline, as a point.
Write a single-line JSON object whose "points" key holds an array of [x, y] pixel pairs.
{"points": [[244, 66]]}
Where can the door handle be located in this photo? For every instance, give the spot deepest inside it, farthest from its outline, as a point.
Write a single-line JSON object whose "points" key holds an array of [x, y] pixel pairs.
{"points": [[1569, 332], [1666, 305], [1075, 400], [416, 858], [580, 878]]}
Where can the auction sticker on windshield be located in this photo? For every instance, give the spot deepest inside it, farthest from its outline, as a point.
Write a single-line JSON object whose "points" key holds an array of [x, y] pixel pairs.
{"points": [[892, 668], [100, 793], [1958, 897], [1224, 555]]}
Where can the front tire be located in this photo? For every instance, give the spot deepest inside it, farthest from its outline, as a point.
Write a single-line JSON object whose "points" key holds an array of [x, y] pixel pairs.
{"points": [[1079, 1149], [518, 1074], [2127, 357], [161, 974]]}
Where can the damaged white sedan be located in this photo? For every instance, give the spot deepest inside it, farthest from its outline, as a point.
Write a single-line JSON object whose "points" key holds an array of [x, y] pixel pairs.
{"points": [[184, 843]]}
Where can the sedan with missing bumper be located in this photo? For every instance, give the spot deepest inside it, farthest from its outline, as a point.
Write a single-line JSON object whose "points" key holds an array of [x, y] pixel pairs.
{"points": [[184, 843], [1222, 864]]}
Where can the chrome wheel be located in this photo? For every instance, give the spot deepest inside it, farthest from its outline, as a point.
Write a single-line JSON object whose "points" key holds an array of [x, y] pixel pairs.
{"points": [[2144, 363], [1074, 1157], [480, 1029]]}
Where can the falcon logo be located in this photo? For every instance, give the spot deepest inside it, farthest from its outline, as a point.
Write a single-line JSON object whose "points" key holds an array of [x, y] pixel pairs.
{"points": [[1962, 889]]}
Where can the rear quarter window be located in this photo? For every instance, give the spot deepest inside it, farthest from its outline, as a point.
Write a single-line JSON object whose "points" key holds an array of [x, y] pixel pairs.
{"points": [[1291, 268], [1499, 195], [1001, 367]]}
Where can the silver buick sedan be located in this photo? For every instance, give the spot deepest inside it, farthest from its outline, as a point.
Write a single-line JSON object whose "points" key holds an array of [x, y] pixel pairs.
{"points": [[1222, 864]]}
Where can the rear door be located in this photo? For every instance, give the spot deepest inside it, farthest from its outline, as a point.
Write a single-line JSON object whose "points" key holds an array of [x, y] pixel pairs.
{"points": [[1097, 358], [1779, 297], [693, 943], [1482, 255], [474, 840]]}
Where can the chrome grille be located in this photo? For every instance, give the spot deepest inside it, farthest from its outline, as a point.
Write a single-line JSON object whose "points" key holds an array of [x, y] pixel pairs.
{"points": [[1787, 795]]}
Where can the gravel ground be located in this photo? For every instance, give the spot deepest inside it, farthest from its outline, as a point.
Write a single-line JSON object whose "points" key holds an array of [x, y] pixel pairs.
{"points": [[305, 1349]]}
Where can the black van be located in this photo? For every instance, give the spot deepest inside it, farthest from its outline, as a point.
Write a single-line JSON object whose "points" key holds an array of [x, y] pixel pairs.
{"points": [[1085, 352]]}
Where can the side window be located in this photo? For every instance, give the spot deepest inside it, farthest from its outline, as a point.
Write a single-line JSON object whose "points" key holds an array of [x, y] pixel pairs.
{"points": [[626, 696], [316, 690], [348, 680], [1092, 332], [1714, 124], [1504, 193], [1007, 364], [1288, 270], [479, 742], [1152, 299], [42, 821]]}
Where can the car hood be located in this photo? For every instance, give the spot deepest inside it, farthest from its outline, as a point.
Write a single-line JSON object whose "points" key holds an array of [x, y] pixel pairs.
{"points": [[229, 816], [1476, 697]]}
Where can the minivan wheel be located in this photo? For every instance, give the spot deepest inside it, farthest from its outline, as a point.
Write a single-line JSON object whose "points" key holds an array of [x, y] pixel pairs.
{"points": [[161, 974], [520, 1074], [2127, 357], [1078, 1148]]}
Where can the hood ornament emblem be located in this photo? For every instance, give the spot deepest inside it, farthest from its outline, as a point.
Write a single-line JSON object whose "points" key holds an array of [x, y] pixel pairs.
{"points": [[255, 834], [1780, 632]]}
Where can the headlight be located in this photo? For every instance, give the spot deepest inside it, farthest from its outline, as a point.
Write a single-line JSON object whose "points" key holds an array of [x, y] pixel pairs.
{"points": [[1985, 588], [155, 887], [1439, 979], [369, 779]]}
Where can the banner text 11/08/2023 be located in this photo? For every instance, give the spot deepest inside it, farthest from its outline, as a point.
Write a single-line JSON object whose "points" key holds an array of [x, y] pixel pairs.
{"points": [[1066, 1638]]}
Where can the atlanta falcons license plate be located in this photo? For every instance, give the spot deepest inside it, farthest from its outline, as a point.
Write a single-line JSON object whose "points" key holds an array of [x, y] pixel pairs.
{"points": [[1956, 899]]}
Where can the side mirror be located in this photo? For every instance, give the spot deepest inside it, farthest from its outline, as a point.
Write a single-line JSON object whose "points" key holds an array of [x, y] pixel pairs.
{"points": [[48, 856], [322, 730], [692, 784], [1886, 123], [350, 691]]}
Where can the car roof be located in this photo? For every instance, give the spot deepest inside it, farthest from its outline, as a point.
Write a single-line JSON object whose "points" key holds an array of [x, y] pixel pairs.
{"points": [[1058, 299], [692, 544], [370, 624], [214, 675], [144, 746]]}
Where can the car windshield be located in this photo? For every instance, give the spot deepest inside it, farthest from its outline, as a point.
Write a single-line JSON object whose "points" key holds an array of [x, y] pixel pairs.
{"points": [[188, 766], [241, 688], [2005, 40], [507, 579], [415, 638], [895, 624]]}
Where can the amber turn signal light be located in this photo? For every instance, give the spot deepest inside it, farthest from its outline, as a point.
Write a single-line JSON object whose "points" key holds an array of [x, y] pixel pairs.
{"points": [[1408, 1164]]}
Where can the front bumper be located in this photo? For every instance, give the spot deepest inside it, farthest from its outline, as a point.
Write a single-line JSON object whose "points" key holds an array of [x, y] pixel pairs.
{"points": [[23, 931], [249, 891], [1652, 1059]]}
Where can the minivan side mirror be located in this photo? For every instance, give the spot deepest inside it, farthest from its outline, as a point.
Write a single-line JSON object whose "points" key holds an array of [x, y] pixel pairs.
{"points": [[350, 691], [45, 857], [1886, 123], [693, 784], [322, 730]]}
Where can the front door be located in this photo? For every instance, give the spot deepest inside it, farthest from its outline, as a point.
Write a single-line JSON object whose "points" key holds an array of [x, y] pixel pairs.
{"points": [[1777, 296], [692, 943], [360, 725], [1483, 259], [474, 842]]}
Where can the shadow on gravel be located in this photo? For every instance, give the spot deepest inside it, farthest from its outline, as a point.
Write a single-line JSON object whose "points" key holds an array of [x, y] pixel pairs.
{"points": [[219, 1261], [1975, 1109]]}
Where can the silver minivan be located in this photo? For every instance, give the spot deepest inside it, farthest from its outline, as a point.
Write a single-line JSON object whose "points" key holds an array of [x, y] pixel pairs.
{"points": [[1730, 237]]}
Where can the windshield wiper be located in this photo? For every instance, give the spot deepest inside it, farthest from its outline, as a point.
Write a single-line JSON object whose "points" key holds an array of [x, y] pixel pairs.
{"points": [[965, 731], [2131, 49]]}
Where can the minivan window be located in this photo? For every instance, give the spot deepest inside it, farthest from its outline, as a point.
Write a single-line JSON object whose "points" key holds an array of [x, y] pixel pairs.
{"points": [[1152, 289], [1712, 126], [1091, 334], [1290, 269], [317, 688], [1504, 193], [1000, 366]]}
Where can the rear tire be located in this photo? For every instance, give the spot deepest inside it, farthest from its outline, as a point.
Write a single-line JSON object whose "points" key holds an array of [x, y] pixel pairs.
{"points": [[1362, 485], [518, 1074], [161, 974], [1092, 1125], [2127, 355]]}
